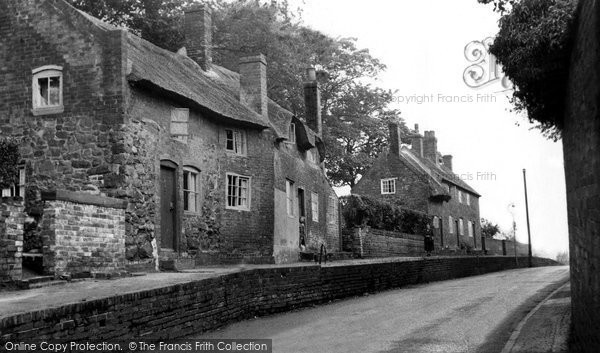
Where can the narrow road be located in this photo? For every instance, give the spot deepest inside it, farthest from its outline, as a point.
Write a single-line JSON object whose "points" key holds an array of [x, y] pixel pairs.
{"points": [[474, 314]]}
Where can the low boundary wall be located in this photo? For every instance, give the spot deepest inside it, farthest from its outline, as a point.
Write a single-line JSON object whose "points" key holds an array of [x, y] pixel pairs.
{"points": [[370, 243], [194, 307]]}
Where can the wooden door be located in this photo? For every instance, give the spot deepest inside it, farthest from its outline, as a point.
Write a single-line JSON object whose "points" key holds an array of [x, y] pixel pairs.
{"points": [[167, 207]]}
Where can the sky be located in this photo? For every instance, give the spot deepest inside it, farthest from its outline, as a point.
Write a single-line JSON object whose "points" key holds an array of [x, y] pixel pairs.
{"points": [[422, 42]]}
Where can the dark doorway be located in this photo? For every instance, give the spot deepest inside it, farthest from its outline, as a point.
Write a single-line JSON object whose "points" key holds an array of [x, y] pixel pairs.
{"points": [[168, 209], [302, 219], [457, 234]]}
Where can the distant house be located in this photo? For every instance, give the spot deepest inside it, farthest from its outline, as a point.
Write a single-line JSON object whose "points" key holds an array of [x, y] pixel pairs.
{"points": [[420, 178], [211, 169]]}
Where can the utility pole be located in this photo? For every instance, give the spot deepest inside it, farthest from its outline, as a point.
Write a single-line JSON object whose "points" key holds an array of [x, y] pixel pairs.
{"points": [[527, 213]]}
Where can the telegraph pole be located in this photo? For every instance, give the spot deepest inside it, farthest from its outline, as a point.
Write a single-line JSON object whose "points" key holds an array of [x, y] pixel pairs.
{"points": [[527, 213]]}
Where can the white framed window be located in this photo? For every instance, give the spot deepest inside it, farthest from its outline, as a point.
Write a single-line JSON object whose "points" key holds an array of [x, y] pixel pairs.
{"points": [[314, 206], [468, 198], [238, 192], [235, 141], [460, 196], [436, 222], [289, 192], [292, 133], [331, 209], [47, 90], [179, 123], [388, 186], [191, 194], [461, 227], [450, 225], [470, 228], [16, 189]]}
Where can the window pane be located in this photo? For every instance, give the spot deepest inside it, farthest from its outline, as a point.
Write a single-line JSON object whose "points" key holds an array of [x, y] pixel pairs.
{"points": [[229, 134], [43, 85], [54, 94], [186, 176]]}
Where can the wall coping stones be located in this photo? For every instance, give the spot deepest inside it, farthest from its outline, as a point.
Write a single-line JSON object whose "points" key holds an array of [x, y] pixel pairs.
{"points": [[83, 198]]}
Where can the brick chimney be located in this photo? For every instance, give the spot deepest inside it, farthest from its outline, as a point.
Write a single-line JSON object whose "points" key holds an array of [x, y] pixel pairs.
{"points": [[430, 146], [312, 101], [253, 83], [198, 35], [394, 140], [447, 161]]}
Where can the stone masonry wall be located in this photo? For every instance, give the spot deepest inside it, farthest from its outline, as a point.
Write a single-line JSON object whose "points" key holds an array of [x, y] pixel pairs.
{"points": [[581, 146], [83, 238], [12, 219], [369, 243], [191, 308], [494, 247]]}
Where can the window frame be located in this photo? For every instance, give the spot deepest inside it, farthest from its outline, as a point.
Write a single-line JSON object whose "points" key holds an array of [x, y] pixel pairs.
{"points": [[289, 197], [177, 120], [461, 226], [470, 229], [242, 144], [436, 222], [314, 210], [48, 72], [196, 191], [248, 197], [460, 196], [331, 209], [17, 190], [387, 180], [468, 198], [450, 225]]}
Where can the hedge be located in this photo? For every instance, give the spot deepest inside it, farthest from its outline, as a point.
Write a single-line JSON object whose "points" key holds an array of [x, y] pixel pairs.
{"points": [[360, 211]]}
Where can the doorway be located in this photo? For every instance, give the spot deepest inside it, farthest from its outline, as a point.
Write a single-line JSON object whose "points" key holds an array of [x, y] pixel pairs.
{"points": [[168, 205]]}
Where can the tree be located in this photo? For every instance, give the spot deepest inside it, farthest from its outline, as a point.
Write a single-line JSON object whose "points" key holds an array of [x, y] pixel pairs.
{"points": [[533, 46], [9, 159], [563, 258], [355, 112], [489, 229]]}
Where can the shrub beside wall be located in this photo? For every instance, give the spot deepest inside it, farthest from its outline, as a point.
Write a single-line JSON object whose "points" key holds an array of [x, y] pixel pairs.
{"points": [[361, 211]]}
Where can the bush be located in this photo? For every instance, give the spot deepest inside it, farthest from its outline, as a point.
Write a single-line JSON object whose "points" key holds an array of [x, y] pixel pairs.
{"points": [[360, 211], [9, 160]]}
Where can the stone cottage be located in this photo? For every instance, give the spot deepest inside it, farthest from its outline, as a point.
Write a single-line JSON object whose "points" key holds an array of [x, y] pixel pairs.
{"points": [[418, 177], [200, 163]]}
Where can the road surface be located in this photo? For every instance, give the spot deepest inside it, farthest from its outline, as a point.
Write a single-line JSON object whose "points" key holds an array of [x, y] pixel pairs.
{"points": [[474, 314]]}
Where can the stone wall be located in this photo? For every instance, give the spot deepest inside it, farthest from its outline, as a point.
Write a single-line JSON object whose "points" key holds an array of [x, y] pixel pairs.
{"points": [[12, 219], [369, 243], [83, 233], [191, 308], [581, 146]]}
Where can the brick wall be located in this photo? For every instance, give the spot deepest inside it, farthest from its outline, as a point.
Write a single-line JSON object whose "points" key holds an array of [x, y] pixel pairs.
{"points": [[83, 233], [581, 146], [369, 243], [495, 247], [12, 219], [191, 308]]}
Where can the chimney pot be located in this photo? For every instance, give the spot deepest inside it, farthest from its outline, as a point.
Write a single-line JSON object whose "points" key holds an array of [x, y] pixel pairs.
{"points": [[417, 128], [253, 83], [198, 35]]}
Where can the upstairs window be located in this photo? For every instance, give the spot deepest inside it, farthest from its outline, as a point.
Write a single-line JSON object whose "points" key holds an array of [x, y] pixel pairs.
{"points": [[47, 89], [468, 198], [179, 124], [461, 227], [292, 133], [388, 186], [191, 195], [238, 192], [470, 229], [460, 196], [331, 210], [314, 205], [311, 156], [235, 141], [436, 222], [16, 189]]}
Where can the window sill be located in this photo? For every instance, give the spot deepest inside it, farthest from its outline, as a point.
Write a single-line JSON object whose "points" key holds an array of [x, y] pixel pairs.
{"points": [[231, 153], [237, 209], [191, 213], [48, 110]]}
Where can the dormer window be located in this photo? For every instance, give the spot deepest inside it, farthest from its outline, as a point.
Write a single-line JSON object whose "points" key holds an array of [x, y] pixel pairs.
{"points": [[235, 141], [47, 89]]}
